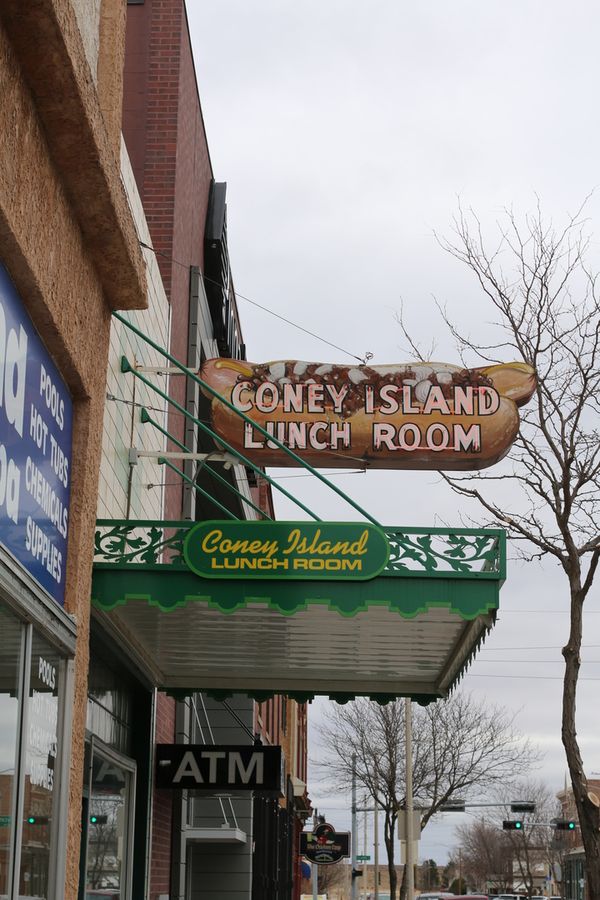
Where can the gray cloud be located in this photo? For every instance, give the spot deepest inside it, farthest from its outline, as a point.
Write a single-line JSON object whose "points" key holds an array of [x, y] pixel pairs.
{"points": [[346, 130]]}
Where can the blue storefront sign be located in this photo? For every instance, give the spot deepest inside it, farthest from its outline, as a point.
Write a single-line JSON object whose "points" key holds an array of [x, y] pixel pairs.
{"points": [[36, 418]]}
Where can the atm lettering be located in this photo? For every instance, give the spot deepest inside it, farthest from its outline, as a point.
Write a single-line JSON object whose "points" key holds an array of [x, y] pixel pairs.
{"points": [[236, 764], [188, 767]]}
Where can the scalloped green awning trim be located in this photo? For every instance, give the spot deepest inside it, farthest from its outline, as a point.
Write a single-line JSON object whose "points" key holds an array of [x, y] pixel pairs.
{"points": [[173, 588]]}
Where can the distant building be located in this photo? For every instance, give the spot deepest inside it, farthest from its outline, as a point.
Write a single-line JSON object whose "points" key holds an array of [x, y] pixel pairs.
{"points": [[573, 865]]}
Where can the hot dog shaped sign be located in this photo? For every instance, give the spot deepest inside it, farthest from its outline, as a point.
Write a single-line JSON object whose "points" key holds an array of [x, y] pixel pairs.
{"points": [[421, 415]]}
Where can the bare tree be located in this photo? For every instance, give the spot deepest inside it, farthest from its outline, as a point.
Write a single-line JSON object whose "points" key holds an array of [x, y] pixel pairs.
{"points": [[486, 856], [498, 858], [458, 747], [429, 875], [533, 848], [547, 307], [332, 877]]}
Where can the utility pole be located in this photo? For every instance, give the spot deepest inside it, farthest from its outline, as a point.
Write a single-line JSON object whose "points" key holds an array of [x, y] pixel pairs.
{"points": [[353, 889], [365, 881], [376, 843], [410, 862]]}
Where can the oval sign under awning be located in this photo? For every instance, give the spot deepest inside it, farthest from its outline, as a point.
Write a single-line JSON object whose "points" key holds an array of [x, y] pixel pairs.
{"points": [[298, 550]]}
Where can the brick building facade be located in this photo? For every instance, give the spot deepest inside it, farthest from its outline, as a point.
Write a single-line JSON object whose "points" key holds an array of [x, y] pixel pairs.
{"points": [[92, 225], [186, 213]]}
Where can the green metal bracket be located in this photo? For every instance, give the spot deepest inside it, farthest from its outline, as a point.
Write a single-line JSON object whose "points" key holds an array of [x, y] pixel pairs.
{"points": [[210, 390], [146, 418], [223, 443]]}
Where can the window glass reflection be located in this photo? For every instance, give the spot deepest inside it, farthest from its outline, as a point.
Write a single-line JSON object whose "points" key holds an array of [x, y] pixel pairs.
{"points": [[109, 707], [10, 663], [41, 742], [108, 816]]}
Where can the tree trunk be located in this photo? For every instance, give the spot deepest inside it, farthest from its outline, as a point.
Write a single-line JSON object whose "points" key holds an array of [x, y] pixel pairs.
{"points": [[588, 813]]}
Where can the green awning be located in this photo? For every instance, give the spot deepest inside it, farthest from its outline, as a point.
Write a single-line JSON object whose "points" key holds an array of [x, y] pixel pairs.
{"points": [[410, 631]]}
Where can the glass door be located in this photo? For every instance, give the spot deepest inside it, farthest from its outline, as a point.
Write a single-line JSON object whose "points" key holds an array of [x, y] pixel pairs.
{"points": [[107, 825]]}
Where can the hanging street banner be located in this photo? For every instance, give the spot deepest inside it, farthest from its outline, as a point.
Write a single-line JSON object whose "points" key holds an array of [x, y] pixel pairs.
{"points": [[36, 415], [325, 846], [220, 767], [298, 550], [420, 415]]}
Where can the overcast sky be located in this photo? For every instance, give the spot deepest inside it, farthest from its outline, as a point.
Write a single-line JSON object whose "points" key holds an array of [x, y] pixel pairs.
{"points": [[346, 131]]}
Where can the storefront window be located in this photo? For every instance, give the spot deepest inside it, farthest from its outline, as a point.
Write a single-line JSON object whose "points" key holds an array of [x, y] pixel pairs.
{"points": [[10, 689], [110, 703], [41, 750]]}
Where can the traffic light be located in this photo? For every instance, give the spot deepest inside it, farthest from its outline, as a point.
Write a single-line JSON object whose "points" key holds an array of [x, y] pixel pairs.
{"points": [[522, 806], [565, 825], [357, 873], [512, 825], [37, 820], [98, 820]]}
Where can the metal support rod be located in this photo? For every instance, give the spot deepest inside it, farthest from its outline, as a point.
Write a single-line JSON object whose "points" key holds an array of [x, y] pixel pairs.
{"points": [[410, 862], [353, 888], [147, 419], [207, 388], [175, 454], [223, 443], [159, 370]]}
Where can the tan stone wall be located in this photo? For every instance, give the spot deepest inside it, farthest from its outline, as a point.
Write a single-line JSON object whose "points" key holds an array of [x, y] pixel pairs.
{"points": [[84, 149], [42, 247], [111, 60], [51, 189]]}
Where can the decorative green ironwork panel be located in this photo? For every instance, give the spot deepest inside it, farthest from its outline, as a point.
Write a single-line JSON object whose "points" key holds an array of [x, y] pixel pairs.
{"points": [[443, 552], [122, 543], [436, 552]]}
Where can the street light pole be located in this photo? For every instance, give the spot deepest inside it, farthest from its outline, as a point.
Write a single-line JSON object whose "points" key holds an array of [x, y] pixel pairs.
{"points": [[353, 893], [376, 843], [410, 862], [315, 868]]}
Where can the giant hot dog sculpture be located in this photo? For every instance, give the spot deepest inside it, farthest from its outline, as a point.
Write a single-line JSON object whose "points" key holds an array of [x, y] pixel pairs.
{"points": [[422, 415]]}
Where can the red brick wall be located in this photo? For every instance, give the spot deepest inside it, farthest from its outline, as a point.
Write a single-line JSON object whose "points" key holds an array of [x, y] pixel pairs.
{"points": [[165, 136], [193, 174], [150, 112]]}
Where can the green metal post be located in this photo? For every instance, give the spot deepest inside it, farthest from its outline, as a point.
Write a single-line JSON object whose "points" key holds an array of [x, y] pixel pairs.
{"points": [[146, 418], [219, 440]]}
